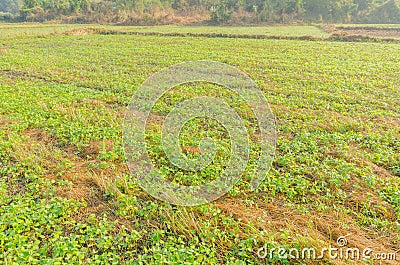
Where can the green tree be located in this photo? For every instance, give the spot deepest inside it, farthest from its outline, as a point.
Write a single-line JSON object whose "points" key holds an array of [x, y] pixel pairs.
{"points": [[9, 6]]}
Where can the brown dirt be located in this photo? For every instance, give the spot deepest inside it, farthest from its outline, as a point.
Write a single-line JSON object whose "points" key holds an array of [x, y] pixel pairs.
{"points": [[4, 121], [78, 32], [193, 150], [362, 33], [89, 183], [372, 31]]}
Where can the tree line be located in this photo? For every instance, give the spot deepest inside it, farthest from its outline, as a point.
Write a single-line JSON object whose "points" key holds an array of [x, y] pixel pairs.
{"points": [[222, 11]]}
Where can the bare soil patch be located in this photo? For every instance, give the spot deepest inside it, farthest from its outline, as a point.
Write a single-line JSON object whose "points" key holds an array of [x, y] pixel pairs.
{"points": [[362, 33], [377, 32]]}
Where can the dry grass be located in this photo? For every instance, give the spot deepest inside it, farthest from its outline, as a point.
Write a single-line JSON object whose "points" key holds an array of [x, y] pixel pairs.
{"points": [[319, 230], [66, 163], [79, 32]]}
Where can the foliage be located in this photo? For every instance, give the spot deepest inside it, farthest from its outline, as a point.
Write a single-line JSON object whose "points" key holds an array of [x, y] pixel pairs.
{"points": [[220, 12], [388, 12], [375, 11], [9, 8]]}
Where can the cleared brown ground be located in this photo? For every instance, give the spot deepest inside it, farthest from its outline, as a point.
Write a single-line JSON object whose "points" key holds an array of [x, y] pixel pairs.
{"points": [[377, 32]]}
